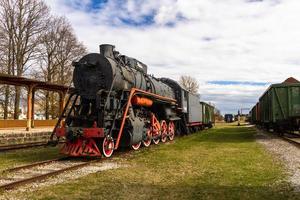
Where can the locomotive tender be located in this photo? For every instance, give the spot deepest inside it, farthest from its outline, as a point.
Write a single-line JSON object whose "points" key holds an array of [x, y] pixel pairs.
{"points": [[116, 103]]}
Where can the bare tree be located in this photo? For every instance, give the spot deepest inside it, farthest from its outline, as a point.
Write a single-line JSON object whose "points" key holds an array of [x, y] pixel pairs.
{"points": [[189, 83], [58, 48], [6, 48], [48, 48], [69, 50], [22, 22]]}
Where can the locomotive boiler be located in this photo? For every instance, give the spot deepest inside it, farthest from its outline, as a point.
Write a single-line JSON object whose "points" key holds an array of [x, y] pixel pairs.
{"points": [[115, 103], [111, 71]]}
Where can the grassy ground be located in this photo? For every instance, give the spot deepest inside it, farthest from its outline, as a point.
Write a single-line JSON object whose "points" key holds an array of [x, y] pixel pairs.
{"points": [[19, 157], [221, 163]]}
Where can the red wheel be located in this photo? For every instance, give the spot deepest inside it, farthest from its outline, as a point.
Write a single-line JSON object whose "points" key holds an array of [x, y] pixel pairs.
{"points": [[164, 130], [147, 141], [156, 134], [171, 130], [136, 146], [108, 147], [155, 141]]}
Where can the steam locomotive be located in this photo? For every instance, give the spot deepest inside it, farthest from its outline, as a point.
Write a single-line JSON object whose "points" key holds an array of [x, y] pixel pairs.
{"points": [[115, 104]]}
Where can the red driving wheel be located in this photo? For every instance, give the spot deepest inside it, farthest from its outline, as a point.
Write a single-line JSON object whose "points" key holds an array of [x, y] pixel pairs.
{"points": [[136, 146], [147, 140], [108, 146], [164, 130], [156, 136], [171, 130]]}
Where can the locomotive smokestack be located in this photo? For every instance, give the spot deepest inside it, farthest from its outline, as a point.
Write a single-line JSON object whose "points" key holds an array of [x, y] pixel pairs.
{"points": [[107, 50]]}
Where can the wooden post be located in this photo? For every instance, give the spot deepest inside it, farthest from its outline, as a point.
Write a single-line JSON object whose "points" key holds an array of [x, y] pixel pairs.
{"points": [[29, 107], [32, 109]]}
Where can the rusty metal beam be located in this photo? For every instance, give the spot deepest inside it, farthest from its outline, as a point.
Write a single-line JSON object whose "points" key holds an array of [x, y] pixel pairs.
{"points": [[26, 82], [29, 107], [32, 109]]}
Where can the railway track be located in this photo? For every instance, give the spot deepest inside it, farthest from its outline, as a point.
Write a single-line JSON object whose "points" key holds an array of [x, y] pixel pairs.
{"points": [[21, 175], [24, 146], [291, 138], [18, 176]]}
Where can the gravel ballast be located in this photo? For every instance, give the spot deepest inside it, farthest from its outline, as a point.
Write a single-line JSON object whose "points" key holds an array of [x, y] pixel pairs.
{"points": [[285, 151], [65, 177]]}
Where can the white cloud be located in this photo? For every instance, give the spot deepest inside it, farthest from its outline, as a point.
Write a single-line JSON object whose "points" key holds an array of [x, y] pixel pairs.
{"points": [[212, 40]]}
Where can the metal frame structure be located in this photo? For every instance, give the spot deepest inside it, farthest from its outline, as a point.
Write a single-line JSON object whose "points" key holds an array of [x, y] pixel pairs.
{"points": [[31, 86]]}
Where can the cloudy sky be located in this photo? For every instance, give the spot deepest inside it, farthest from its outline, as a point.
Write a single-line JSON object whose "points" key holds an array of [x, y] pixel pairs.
{"points": [[234, 48]]}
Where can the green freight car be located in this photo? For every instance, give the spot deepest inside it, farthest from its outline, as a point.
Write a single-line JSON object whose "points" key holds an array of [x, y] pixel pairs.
{"points": [[208, 114], [255, 114], [252, 115], [280, 106]]}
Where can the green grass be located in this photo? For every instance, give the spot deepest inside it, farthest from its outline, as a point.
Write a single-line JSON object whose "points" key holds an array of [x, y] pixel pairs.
{"points": [[19, 157], [221, 163]]}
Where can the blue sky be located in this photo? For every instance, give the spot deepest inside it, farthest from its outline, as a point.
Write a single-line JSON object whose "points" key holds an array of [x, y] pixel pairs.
{"points": [[97, 4], [234, 48]]}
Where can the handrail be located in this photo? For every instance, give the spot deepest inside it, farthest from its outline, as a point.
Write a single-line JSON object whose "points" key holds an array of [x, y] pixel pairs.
{"points": [[133, 91]]}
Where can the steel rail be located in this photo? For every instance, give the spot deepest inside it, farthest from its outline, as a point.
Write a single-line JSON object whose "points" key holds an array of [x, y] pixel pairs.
{"points": [[290, 140], [23, 146], [283, 137], [14, 184], [24, 181], [33, 165]]}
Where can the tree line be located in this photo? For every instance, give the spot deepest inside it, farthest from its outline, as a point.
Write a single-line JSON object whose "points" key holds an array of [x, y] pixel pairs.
{"points": [[35, 44]]}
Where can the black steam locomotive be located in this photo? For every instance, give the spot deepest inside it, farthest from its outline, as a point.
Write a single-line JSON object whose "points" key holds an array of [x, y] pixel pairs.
{"points": [[116, 103]]}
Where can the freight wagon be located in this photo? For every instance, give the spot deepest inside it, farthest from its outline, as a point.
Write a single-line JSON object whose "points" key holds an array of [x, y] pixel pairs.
{"points": [[228, 118], [255, 114], [279, 107], [195, 115], [208, 114]]}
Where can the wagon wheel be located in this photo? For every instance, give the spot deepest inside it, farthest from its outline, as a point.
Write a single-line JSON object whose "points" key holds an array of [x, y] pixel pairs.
{"points": [[136, 146], [147, 140], [171, 130], [164, 130], [108, 146]]}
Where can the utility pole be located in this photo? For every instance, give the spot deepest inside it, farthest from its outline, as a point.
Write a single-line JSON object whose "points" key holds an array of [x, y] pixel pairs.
{"points": [[239, 118]]}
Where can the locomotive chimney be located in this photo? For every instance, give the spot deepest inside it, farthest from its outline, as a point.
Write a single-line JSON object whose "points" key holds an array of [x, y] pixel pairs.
{"points": [[107, 50]]}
